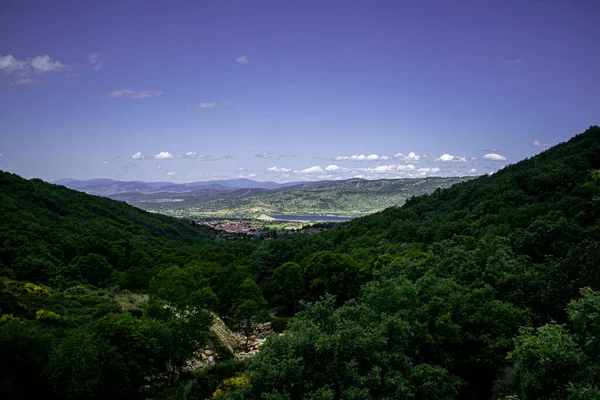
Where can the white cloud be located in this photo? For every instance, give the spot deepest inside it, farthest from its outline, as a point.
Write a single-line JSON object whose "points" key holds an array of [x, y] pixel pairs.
{"points": [[164, 155], [449, 158], [332, 168], [172, 173], [1, 155], [23, 81], [537, 143], [384, 169], [473, 158], [384, 158], [190, 154], [472, 170], [361, 157], [130, 94], [10, 64], [275, 169], [137, 156], [242, 60], [104, 162], [312, 170], [45, 64], [489, 150], [429, 170], [412, 156], [202, 105], [494, 157], [96, 60], [515, 61], [264, 155], [252, 175], [39, 64]]}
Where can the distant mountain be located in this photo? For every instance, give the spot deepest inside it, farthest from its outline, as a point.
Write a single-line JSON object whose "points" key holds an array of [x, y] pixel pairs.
{"points": [[108, 187], [346, 198]]}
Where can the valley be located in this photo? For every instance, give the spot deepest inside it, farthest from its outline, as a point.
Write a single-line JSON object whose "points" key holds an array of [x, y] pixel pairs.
{"points": [[347, 198]]}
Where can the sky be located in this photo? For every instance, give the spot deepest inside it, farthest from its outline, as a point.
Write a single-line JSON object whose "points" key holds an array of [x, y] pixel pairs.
{"points": [[194, 90]]}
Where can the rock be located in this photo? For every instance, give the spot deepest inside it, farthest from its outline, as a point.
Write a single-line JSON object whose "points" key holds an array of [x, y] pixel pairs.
{"points": [[211, 359]]}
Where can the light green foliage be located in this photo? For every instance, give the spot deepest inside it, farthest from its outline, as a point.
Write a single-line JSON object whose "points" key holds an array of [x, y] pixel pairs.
{"points": [[47, 316], [4, 318], [544, 359], [554, 362]]}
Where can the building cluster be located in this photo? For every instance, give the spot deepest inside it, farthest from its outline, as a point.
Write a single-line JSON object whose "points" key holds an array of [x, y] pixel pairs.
{"points": [[234, 227]]}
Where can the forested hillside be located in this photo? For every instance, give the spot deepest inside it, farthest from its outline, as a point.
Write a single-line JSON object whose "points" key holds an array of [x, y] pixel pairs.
{"points": [[443, 297], [487, 289]]}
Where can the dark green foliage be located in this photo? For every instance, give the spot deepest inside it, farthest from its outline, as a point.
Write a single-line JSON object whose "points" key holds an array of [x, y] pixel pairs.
{"points": [[48, 230], [288, 282], [351, 352], [279, 324], [464, 268]]}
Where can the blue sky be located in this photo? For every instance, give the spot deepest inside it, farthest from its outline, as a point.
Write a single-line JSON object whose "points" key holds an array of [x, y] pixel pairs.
{"points": [[291, 90]]}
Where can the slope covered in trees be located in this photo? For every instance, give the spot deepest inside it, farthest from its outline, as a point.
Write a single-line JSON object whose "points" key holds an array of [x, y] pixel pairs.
{"points": [[446, 292], [487, 289], [69, 325]]}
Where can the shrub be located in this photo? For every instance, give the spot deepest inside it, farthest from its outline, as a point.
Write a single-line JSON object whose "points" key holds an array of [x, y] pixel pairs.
{"points": [[279, 324], [47, 316], [231, 384]]}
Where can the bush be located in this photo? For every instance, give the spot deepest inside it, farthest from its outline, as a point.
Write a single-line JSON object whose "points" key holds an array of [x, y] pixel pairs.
{"points": [[208, 379], [231, 384], [47, 316], [6, 318], [280, 324]]}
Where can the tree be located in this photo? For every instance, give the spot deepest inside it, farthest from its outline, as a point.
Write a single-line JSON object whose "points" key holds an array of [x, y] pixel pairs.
{"points": [[346, 353], [249, 306], [289, 281], [182, 299], [93, 268], [334, 273]]}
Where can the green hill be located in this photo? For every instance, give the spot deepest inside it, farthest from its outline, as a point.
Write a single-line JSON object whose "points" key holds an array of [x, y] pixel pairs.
{"points": [[44, 227], [442, 290]]}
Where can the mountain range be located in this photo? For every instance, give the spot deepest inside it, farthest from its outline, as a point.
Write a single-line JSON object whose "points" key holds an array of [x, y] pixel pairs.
{"points": [[244, 198]]}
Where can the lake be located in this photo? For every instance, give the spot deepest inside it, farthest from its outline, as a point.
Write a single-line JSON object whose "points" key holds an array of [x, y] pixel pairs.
{"points": [[309, 218]]}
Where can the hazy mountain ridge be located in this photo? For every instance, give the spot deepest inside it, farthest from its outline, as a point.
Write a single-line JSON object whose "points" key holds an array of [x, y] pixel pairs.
{"points": [[107, 187], [352, 198]]}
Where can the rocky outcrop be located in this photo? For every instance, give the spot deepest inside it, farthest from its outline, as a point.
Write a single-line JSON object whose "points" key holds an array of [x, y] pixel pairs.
{"points": [[225, 334], [239, 345]]}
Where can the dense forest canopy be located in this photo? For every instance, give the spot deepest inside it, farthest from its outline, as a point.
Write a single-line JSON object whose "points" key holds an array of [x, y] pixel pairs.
{"points": [[487, 289]]}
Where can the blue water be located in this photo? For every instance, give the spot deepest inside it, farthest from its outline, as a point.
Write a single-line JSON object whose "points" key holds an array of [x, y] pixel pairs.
{"points": [[309, 218]]}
